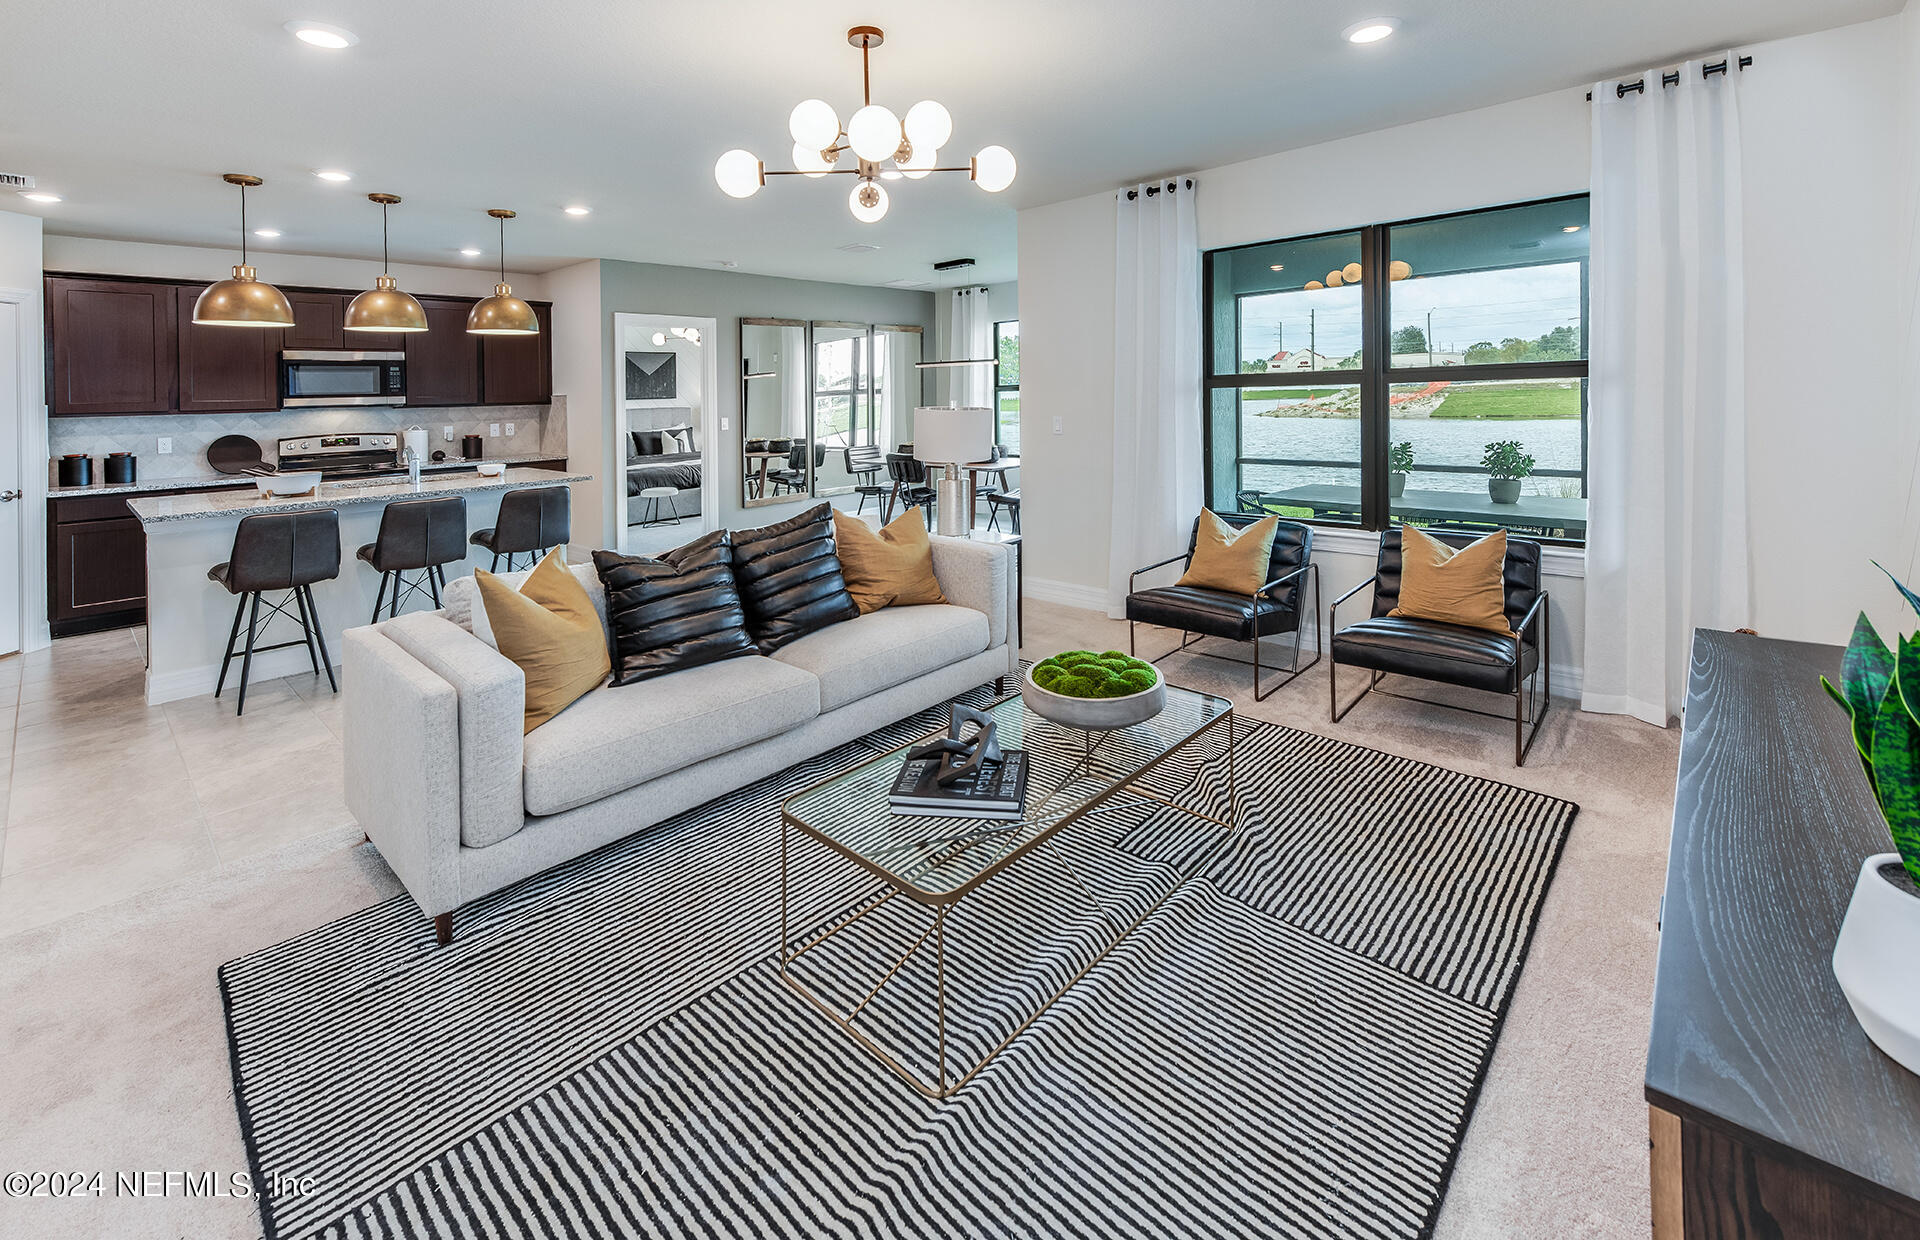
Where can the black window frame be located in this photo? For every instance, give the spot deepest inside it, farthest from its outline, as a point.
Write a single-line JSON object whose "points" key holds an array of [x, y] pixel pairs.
{"points": [[1377, 376], [999, 373]]}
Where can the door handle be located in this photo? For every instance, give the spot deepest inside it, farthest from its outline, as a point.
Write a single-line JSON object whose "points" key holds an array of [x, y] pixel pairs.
{"points": [[7, 497]]}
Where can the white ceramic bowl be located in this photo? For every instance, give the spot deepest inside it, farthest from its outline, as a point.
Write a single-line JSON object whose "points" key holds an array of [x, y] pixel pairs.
{"points": [[304, 483], [490, 469], [1095, 714]]}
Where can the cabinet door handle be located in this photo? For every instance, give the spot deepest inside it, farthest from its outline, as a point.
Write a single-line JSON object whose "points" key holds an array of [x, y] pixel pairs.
{"points": [[7, 497]]}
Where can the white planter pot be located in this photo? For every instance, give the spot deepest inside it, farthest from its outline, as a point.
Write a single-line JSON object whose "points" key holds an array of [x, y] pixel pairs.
{"points": [[1095, 714], [1874, 959]]}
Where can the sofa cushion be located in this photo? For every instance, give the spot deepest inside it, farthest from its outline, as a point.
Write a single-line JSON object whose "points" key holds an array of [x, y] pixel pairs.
{"points": [[891, 568], [881, 649], [622, 735], [460, 599], [790, 578], [549, 629], [1451, 653], [674, 612]]}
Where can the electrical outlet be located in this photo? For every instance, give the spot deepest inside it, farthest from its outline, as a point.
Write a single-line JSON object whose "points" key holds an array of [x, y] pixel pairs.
{"points": [[493, 430], [1059, 426], [446, 433], [165, 446], [509, 430]]}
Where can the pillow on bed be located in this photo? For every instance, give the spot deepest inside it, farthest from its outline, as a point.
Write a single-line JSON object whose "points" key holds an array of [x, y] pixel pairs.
{"points": [[646, 443], [678, 438]]}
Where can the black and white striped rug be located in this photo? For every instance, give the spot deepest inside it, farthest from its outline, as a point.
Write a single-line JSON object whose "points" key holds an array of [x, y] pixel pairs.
{"points": [[1289, 1046]]}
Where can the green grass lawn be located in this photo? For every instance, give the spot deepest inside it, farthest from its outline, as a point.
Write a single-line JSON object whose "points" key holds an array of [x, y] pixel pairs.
{"points": [[1511, 401]]}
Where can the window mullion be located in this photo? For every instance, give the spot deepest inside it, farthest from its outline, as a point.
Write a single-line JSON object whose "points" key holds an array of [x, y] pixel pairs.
{"points": [[1375, 357]]}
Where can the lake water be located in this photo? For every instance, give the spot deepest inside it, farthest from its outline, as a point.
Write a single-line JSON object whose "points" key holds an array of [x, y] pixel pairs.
{"points": [[1554, 443]]}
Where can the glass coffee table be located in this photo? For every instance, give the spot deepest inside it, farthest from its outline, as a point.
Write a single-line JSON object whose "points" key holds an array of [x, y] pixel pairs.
{"points": [[933, 864]]}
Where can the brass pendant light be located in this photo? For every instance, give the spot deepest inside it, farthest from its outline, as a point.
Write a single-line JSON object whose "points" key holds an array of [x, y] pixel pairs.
{"points": [[502, 314], [242, 301], [384, 308]]}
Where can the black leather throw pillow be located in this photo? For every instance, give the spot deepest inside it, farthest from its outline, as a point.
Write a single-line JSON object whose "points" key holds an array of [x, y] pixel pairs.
{"points": [[678, 611], [790, 578]]}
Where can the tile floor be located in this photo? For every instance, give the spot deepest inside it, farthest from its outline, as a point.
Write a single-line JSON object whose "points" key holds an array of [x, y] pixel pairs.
{"points": [[145, 845]]}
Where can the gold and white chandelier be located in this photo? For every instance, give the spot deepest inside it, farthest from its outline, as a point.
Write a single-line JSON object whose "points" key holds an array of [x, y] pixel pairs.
{"points": [[884, 147]]}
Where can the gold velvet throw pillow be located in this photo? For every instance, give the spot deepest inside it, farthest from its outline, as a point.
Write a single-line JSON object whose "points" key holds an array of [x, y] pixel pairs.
{"points": [[1466, 586], [1230, 557], [891, 568], [549, 629]]}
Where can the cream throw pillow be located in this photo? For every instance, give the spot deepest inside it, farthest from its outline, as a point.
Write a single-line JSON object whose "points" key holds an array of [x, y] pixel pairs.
{"points": [[892, 568], [1458, 587], [549, 628], [1229, 557]]}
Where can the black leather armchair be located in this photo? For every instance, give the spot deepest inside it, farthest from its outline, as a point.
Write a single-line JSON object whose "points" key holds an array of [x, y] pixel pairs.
{"points": [[1272, 609], [1452, 654]]}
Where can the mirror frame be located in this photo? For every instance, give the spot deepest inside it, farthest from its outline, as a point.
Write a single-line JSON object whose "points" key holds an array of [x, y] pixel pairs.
{"points": [[747, 498], [873, 331]]}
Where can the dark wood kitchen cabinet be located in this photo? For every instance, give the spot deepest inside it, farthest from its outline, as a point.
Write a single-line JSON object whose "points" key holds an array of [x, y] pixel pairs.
{"points": [[443, 362], [97, 565], [518, 370], [319, 323], [225, 369], [111, 346]]}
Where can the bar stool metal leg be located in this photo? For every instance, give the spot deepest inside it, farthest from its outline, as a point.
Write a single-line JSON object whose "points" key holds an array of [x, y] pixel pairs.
{"points": [[233, 635], [246, 662], [378, 599], [320, 637], [306, 628]]}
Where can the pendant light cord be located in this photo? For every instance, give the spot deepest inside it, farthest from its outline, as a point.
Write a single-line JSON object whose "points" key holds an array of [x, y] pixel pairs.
{"points": [[503, 249], [385, 264], [243, 226]]}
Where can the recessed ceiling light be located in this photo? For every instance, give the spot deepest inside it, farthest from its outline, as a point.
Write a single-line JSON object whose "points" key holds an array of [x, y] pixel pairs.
{"points": [[470, 252], [1571, 228], [37, 195], [579, 210], [332, 174], [1371, 30], [319, 34], [1278, 267], [268, 233]]}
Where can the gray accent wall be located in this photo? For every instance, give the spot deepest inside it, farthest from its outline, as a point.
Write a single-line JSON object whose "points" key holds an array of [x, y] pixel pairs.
{"points": [[728, 296]]}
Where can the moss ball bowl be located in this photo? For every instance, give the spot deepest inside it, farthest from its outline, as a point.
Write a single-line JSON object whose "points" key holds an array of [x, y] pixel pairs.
{"points": [[1095, 691]]}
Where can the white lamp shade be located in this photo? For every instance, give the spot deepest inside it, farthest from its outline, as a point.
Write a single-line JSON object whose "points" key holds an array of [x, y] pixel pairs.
{"points": [[993, 169], [814, 124], [928, 124], [946, 435], [874, 133], [738, 173], [868, 214], [922, 162], [807, 159]]}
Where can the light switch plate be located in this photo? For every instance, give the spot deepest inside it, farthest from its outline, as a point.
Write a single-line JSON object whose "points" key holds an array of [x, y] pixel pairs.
{"points": [[165, 446], [1059, 426], [509, 429], [726, 424], [493, 429], [446, 433]]}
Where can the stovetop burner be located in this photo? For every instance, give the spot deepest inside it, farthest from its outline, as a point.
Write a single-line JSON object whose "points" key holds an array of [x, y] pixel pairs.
{"points": [[342, 456]]}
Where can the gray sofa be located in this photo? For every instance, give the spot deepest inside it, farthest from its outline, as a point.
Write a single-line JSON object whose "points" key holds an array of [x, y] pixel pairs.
{"points": [[461, 804]]}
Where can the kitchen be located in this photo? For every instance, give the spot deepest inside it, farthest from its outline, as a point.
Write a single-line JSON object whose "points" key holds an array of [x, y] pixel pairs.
{"points": [[140, 396]]}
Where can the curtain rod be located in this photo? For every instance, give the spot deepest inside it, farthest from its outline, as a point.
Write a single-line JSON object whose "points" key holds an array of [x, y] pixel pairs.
{"points": [[1673, 79], [1154, 189]]}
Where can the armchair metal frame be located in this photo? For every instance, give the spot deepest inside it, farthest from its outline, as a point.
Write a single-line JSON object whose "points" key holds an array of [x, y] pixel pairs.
{"points": [[1526, 691], [1293, 670]]}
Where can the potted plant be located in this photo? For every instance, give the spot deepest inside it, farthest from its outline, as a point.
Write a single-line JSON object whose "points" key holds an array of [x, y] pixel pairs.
{"points": [[1098, 692], [1399, 465], [1873, 956], [1506, 463]]}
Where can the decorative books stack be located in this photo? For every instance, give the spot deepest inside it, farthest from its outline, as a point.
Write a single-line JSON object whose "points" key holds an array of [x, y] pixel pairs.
{"points": [[992, 790]]}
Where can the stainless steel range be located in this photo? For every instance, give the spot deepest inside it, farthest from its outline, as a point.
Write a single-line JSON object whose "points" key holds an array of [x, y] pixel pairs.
{"points": [[342, 456]]}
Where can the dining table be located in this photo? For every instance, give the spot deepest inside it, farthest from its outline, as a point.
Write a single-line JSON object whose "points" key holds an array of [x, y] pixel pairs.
{"points": [[757, 481]]}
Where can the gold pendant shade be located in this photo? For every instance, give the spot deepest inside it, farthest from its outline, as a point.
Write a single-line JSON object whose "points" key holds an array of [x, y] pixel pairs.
{"points": [[502, 314], [242, 301], [384, 308]]}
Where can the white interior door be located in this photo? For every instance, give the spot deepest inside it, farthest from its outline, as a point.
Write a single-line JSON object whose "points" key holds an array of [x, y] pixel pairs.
{"points": [[12, 411]]}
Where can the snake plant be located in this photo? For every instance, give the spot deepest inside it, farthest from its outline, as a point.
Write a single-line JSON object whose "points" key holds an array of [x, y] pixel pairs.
{"points": [[1880, 691]]}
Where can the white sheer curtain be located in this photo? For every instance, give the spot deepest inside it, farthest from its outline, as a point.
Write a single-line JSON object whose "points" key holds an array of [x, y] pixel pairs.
{"points": [[1156, 380], [1667, 542], [969, 335]]}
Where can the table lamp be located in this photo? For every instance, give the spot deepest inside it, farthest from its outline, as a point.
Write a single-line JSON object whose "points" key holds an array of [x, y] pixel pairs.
{"points": [[950, 437]]}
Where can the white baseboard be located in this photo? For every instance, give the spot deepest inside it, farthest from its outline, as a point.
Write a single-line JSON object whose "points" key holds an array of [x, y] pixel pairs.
{"points": [[192, 682]]}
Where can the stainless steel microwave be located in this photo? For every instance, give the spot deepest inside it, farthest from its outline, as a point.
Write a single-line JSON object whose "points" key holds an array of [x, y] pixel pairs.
{"points": [[340, 378]]}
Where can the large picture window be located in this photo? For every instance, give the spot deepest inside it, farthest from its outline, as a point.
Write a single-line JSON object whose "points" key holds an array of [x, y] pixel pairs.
{"points": [[1429, 397], [1006, 385]]}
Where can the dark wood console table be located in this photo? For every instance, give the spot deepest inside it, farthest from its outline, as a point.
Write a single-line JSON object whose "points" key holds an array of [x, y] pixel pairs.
{"points": [[1771, 1114]]}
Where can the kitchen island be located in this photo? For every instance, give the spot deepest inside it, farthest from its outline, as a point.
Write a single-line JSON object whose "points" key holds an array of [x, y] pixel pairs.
{"points": [[189, 616]]}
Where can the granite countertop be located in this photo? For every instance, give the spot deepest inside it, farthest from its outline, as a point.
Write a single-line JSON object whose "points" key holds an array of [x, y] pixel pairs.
{"points": [[147, 486], [162, 509]]}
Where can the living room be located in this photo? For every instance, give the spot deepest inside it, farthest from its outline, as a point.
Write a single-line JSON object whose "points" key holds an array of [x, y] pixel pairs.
{"points": [[575, 728]]}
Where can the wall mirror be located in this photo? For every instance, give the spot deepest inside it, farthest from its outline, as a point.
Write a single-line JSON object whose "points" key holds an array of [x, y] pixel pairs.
{"points": [[822, 403], [773, 410]]}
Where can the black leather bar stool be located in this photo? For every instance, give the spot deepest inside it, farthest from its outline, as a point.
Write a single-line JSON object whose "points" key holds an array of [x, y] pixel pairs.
{"points": [[272, 552], [417, 536], [530, 522]]}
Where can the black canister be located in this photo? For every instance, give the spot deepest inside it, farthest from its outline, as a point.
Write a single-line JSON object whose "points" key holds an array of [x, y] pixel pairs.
{"points": [[76, 470], [470, 447], [121, 468]]}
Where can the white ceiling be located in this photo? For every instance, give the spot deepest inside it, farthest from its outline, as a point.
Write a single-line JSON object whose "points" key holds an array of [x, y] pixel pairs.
{"points": [[131, 110]]}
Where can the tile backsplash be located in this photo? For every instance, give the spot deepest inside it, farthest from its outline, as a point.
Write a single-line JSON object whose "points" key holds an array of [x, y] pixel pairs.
{"points": [[538, 430]]}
